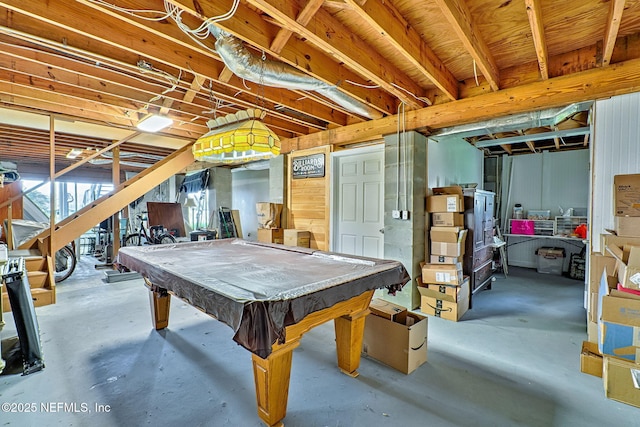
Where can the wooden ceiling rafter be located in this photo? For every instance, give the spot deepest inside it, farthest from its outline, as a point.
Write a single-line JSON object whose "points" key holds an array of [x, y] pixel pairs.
{"points": [[187, 62], [329, 34], [386, 20], [611, 29], [459, 17], [254, 30], [534, 12]]}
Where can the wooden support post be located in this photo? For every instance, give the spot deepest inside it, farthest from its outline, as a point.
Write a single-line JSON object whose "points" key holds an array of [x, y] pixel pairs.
{"points": [[9, 229], [349, 334], [52, 179], [160, 303], [115, 219], [271, 376]]}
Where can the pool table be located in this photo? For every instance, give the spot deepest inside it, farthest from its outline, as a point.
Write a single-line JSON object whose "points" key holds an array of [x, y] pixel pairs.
{"points": [[270, 295]]}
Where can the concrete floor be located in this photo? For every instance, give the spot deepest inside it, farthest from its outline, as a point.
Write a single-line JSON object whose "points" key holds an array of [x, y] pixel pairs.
{"points": [[512, 361]]}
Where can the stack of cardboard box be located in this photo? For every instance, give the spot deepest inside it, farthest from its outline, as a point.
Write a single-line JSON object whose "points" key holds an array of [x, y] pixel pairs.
{"points": [[269, 230], [444, 291], [613, 347]]}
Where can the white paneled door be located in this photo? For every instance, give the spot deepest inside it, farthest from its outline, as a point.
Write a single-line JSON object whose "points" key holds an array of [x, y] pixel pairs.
{"points": [[358, 209]]}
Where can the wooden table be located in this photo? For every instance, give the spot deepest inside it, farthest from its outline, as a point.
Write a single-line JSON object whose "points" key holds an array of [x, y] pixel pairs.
{"points": [[270, 295]]}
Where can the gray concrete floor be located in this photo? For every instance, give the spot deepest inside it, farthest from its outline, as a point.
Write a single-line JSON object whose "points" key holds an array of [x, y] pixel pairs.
{"points": [[512, 361]]}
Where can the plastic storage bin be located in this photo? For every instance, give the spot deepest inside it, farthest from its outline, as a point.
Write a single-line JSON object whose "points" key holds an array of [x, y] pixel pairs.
{"points": [[522, 226], [550, 260]]}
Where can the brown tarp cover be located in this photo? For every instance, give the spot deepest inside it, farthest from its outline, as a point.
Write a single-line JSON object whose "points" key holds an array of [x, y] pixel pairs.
{"points": [[258, 289]]}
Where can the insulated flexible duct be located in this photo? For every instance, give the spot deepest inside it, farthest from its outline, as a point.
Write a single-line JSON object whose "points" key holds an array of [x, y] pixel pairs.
{"points": [[278, 74]]}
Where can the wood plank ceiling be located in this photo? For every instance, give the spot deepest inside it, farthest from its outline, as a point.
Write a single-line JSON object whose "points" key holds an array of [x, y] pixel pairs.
{"points": [[446, 62]]}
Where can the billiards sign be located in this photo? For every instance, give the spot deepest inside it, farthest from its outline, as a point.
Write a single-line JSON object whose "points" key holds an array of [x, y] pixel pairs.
{"points": [[308, 166]]}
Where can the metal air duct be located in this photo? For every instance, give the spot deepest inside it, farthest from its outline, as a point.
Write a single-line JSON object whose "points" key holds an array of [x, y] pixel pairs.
{"points": [[278, 74]]}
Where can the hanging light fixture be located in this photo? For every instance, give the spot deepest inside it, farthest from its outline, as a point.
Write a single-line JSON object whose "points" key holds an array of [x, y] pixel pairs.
{"points": [[237, 138]]}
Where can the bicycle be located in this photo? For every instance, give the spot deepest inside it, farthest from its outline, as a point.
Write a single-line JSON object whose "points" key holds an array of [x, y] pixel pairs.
{"points": [[65, 262], [156, 235]]}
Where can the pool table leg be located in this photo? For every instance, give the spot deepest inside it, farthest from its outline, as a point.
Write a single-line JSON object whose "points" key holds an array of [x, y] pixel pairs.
{"points": [[349, 334], [160, 303], [271, 376]]}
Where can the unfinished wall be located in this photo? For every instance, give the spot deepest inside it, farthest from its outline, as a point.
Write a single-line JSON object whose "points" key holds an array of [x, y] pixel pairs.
{"points": [[404, 240], [308, 204]]}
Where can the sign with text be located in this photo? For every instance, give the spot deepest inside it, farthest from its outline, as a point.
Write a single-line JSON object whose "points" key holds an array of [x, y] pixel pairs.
{"points": [[308, 166]]}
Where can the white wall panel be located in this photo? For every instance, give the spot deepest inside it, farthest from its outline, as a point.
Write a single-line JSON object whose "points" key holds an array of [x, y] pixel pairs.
{"points": [[453, 161], [615, 150]]}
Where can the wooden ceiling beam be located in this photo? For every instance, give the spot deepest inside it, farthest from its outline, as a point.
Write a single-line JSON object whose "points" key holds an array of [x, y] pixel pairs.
{"points": [[330, 35], [249, 26], [507, 148], [534, 11], [96, 32], [459, 17], [388, 21], [617, 79], [125, 83], [531, 145], [303, 18], [611, 30]]}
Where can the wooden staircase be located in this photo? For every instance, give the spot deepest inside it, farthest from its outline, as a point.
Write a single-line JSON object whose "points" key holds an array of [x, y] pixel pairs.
{"points": [[40, 274], [40, 268]]}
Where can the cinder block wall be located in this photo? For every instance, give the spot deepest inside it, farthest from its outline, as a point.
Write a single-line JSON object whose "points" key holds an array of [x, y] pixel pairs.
{"points": [[404, 240]]}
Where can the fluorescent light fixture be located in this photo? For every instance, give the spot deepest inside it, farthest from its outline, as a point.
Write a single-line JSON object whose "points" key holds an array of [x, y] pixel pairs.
{"points": [[154, 123], [75, 152]]}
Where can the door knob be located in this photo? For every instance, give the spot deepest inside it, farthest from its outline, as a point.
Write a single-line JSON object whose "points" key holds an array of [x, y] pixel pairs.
{"points": [[381, 230]]}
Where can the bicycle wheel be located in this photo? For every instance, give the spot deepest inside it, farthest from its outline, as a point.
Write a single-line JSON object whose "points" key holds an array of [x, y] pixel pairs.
{"points": [[133, 240], [65, 262], [166, 238]]}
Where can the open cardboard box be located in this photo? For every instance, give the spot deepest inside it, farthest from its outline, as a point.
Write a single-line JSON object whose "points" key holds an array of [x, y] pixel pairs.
{"points": [[400, 343], [618, 321], [627, 264]]}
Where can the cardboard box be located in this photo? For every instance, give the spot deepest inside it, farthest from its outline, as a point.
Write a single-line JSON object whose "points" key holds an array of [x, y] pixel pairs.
{"points": [[620, 241], [388, 310], [441, 259], [627, 264], [592, 331], [445, 234], [297, 237], [447, 219], [448, 310], [452, 293], [403, 346], [620, 326], [271, 235], [448, 274], [627, 226], [590, 359], [626, 195], [446, 199], [450, 249], [621, 379], [597, 264], [268, 214]]}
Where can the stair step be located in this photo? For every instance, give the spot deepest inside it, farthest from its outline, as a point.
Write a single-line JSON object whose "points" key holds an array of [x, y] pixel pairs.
{"points": [[37, 279], [33, 259], [41, 296]]}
